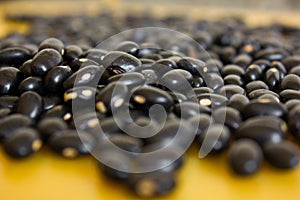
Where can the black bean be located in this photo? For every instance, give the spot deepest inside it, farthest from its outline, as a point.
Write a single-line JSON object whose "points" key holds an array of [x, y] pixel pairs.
{"points": [[148, 49], [233, 79], [128, 47], [23, 143], [71, 144], [150, 76], [31, 84], [272, 54], [125, 142], [232, 69], [163, 66], [293, 121], [230, 90], [280, 67], [197, 82], [190, 109], [96, 55], [194, 66], [55, 78], [228, 116], [212, 100], [52, 43], [50, 101], [76, 64], [262, 63], [144, 97], [8, 101], [125, 61], [245, 157], [178, 97], [4, 112], [253, 73], [80, 97], [72, 52], [14, 56], [202, 90], [254, 85], [177, 80], [292, 103], [242, 60], [290, 81], [10, 77], [291, 61], [11, 123], [202, 121], [262, 129], [45, 60], [50, 126], [259, 92], [130, 79], [289, 94], [30, 104], [264, 107], [60, 111], [284, 155], [272, 78], [214, 81], [295, 70], [26, 68]]}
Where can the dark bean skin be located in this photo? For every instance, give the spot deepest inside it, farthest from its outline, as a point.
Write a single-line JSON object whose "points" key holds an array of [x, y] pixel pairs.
{"points": [[151, 185], [31, 84], [232, 70], [214, 81], [253, 73], [259, 92], [262, 63], [190, 109], [294, 120], [245, 157], [50, 101], [242, 60], [72, 52], [254, 85], [8, 101], [264, 107], [128, 47], [284, 155], [289, 94], [290, 81], [50, 126], [26, 68], [272, 78], [212, 100], [291, 61], [76, 64], [229, 116], [11, 123], [292, 104], [227, 54], [14, 56], [217, 137], [130, 79], [202, 121], [126, 142], [109, 126], [197, 82], [150, 76], [178, 97], [60, 111], [55, 78], [295, 70], [96, 55], [145, 97], [45, 60], [52, 43], [81, 96], [262, 129], [194, 66], [30, 104], [148, 49], [163, 66], [10, 77], [112, 97], [23, 143], [177, 80], [233, 79], [230, 90], [4, 112], [271, 54], [71, 144], [202, 90], [123, 60], [280, 67]]}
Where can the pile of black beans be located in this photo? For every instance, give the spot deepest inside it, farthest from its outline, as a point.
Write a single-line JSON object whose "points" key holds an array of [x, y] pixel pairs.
{"points": [[246, 86]]}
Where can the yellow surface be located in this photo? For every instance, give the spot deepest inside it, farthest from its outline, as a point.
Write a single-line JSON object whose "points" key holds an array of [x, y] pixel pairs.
{"points": [[46, 176]]}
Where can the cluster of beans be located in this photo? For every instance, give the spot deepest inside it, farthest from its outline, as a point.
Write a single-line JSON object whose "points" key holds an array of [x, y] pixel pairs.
{"points": [[246, 90]]}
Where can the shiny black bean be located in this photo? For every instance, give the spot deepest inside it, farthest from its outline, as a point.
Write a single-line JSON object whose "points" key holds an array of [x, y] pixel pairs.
{"points": [[60, 111], [213, 81], [292, 103], [230, 90], [232, 69], [293, 121], [178, 97], [128, 47], [272, 54], [14, 56], [76, 64], [272, 78], [96, 55], [262, 63], [80, 97], [290, 81], [30, 104], [202, 90], [245, 157], [280, 67], [269, 97], [264, 107], [148, 49], [284, 155], [50, 101], [50, 126], [177, 80], [52, 43], [253, 73], [31, 84], [163, 66], [11, 123], [295, 70], [194, 66], [214, 140], [234, 80], [254, 85], [25, 68], [4, 112], [259, 92], [242, 60], [197, 82], [289, 94], [190, 109], [45, 60], [151, 185], [10, 77], [145, 97], [112, 97], [55, 78], [227, 116], [23, 143], [212, 100], [202, 121], [87, 76], [150, 76], [124, 61], [291, 61], [71, 144], [8, 101], [72, 52], [262, 129], [130, 79]]}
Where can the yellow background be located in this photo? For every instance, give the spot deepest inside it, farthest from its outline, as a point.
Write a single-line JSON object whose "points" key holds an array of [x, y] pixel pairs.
{"points": [[46, 176]]}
